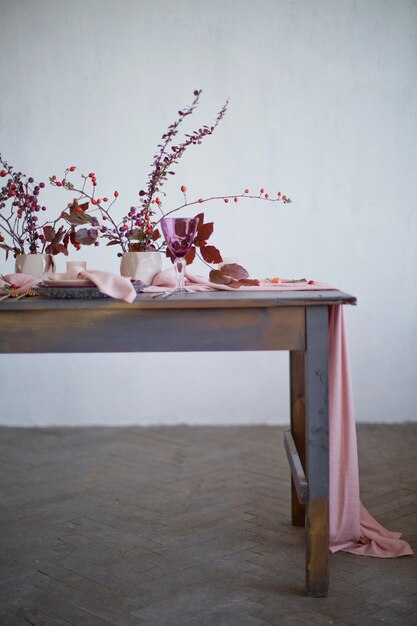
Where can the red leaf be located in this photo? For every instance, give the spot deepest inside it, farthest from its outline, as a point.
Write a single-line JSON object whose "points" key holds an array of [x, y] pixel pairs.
{"points": [[72, 237], [235, 271], [217, 276], [204, 232], [200, 218], [211, 254], [190, 256], [249, 282], [49, 233], [155, 235], [84, 206], [169, 255]]}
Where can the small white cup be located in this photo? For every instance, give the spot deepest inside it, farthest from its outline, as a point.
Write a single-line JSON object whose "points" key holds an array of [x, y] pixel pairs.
{"points": [[74, 267]]}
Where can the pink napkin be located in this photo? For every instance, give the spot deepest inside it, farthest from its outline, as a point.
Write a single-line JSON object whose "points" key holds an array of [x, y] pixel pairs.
{"points": [[112, 285], [352, 528], [22, 282]]}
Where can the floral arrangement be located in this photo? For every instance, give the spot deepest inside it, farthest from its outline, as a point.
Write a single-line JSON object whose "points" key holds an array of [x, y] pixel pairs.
{"points": [[88, 217], [139, 229]]}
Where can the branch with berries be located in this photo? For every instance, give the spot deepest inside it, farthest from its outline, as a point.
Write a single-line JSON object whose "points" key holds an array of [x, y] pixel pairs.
{"points": [[20, 228]]}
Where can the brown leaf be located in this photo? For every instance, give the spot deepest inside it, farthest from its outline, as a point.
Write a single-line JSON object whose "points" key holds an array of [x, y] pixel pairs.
{"points": [[76, 219], [113, 242], [49, 232], [217, 276], [211, 254], [190, 256], [203, 233], [235, 271], [248, 282], [200, 218], [155, 234]]}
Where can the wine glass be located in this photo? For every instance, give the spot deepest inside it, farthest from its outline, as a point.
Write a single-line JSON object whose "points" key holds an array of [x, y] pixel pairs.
{"points": [[179, 233]]}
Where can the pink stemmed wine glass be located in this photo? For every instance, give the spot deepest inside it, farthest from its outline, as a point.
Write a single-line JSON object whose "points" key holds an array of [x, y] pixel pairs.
{"points": [[179, 233]]}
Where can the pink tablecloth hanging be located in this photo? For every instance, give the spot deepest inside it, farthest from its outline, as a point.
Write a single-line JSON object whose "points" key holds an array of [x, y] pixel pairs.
{"points": [[352, 528]]}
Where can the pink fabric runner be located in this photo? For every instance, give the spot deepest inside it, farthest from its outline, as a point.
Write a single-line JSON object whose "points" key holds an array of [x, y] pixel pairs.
{"points": [[352, 528], [110, 284]]}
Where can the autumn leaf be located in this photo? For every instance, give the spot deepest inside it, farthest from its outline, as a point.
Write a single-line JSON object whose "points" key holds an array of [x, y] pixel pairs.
{"points": [[235, 271], [211, 254], [217, 276], [203, 233], [248, 282], [190, 256]]}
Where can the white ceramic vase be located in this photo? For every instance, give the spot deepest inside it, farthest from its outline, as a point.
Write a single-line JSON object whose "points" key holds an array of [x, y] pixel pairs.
{"points": [[39, 265], [141, 266]]}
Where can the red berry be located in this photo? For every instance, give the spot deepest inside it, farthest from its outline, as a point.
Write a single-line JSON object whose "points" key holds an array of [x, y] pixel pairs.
{"points": [[246, 190], [235, 199], [91, 175], [93, 201], [72, 168], [58, 184], [105, 199], [147, 218], [284, 197], [311, 282], [116, 194], [53, 177], [200, 200], [157, 200], [267, 196], [262, 190], [183, 188], [94, 179], [149, 230], [104, 217], [78, 246], [3, 173], [279, 193], [125, 227], [63, 181], [98, 200], [94, 184], [226, 199]]}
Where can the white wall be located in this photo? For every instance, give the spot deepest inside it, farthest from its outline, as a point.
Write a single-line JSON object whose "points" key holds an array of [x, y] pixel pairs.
{"points": [[323, 106]]}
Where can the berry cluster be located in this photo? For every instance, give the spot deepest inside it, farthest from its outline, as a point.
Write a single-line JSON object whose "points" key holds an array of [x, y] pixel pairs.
{"points": [[19, 195]]}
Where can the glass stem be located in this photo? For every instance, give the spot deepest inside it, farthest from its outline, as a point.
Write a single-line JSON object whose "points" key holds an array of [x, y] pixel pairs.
{"points": [[180, 265]]}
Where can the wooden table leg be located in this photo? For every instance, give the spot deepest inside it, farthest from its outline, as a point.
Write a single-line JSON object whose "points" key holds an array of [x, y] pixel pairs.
{"points": [[297, 407], [317, 453]]}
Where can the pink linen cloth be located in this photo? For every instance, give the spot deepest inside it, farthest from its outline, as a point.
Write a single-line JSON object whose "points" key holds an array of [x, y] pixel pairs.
{"points": [[352, 528], [21, 282], [110, 284]]}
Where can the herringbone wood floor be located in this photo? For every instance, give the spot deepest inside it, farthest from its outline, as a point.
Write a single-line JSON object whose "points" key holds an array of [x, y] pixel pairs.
{"points": [[184, 526]]}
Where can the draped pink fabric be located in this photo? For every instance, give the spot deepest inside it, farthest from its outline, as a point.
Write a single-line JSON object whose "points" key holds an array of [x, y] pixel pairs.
{"points": [[352, 528]]}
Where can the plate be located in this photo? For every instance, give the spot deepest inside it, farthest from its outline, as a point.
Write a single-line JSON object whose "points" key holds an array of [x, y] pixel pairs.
{"points": [[78, 282], [78, 292]]}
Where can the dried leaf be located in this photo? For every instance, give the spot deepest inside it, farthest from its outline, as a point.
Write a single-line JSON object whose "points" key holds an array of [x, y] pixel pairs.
{"points": [[155, 235], [248, 282], [113, 242], [217, 276], [49, 233], [190, 256], [204, 232], [235, 271], [211, 254]]}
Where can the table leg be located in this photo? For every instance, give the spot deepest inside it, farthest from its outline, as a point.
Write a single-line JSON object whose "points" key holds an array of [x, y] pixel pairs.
{"points": [[297, 407], [317, 453]]}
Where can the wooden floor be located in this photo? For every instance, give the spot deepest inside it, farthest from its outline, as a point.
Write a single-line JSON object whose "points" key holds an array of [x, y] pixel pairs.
{"points": [[188, 526]]}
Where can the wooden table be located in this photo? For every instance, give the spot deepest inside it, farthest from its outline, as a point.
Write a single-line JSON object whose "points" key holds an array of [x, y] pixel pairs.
{"points": [[296, 321]]}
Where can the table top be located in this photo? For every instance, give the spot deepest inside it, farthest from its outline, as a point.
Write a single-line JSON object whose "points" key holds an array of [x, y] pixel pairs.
{"points": [[199, 300]]}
